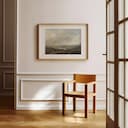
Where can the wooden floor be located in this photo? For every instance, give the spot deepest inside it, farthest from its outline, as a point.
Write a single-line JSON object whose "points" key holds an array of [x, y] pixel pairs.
{"points": [[50, 119]]}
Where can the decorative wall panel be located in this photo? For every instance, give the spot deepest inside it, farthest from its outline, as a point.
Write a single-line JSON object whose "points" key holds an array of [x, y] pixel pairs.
{"points": [[37, 90]]}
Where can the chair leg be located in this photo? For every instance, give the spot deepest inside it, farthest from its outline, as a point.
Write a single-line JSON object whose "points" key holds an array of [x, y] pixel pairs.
{"points": [[86, 102], [74, 99], [63, 99], [94, 104], [94, 98], [74, 104], [63, 105]]}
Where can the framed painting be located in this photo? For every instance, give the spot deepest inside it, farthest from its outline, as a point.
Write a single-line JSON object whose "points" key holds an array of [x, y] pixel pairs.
{"points": [[62, 41]]}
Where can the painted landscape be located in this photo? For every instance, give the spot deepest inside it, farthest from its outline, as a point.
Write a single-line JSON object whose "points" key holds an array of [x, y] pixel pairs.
{"points": [[63, 41]]}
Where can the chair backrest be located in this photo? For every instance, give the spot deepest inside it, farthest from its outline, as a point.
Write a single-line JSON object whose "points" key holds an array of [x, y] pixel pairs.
{"points": [[84, 78]]}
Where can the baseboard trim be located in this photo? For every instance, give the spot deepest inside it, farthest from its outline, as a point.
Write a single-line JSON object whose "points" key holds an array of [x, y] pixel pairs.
{"points": [[100, 105]]}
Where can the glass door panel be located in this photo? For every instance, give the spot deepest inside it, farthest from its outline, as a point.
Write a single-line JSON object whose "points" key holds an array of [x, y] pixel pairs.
{"points": [[126, 8], [110, 47], [111, 76], [126, 64], [121, 79], [126, 114], [121, 41], [126, 80], [126, 38], [108, 103], [111, 105], [121, 112], [110, 35], [117, 63], [111, 15], [123, 63], [121, 11], [108, 16]]}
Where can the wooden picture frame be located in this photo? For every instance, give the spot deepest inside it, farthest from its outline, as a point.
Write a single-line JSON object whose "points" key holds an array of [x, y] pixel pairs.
{"points": [[62, 41]]}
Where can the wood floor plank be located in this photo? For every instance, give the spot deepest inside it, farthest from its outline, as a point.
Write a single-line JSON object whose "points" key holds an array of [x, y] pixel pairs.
{"points": [[50, 119]]}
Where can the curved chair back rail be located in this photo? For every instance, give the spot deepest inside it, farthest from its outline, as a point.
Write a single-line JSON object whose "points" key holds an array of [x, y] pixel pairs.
{"points": [[81, 78]]}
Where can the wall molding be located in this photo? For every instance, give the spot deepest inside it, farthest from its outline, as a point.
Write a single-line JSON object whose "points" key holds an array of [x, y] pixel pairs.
{"points": [[23, 99], [100, 77], [27, 103], [55, 73], [40, 73], [55, 105]]}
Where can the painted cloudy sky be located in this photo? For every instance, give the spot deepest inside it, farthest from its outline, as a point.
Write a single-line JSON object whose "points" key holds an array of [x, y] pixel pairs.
{"points": [[62, 37]]}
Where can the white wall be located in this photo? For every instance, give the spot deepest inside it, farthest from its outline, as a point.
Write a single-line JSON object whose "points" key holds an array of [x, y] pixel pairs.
{"points": [[33, 12]]}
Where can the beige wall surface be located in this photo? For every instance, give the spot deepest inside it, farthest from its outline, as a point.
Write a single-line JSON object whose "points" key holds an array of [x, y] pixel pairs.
{"points": [[33, 12], [40, 75]]}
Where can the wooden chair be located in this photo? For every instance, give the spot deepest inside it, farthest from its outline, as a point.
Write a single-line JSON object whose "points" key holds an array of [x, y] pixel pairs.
{"points": [[86, 80]]}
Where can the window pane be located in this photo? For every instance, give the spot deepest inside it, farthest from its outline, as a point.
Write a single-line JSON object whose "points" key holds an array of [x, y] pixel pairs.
{"points": [[121, 9], [126, 8], [121, 113], [111, 105], [111, 54], [110, 47], [126, 39], [126, 81], [108, 18], [121, 41], [121, 78], [126, 114], [111, 76], [111, 14], [108, 80], [108, 103]]}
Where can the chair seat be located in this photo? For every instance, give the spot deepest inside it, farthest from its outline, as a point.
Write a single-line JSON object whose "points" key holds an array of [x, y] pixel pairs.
{"points": [[78, 93]]}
